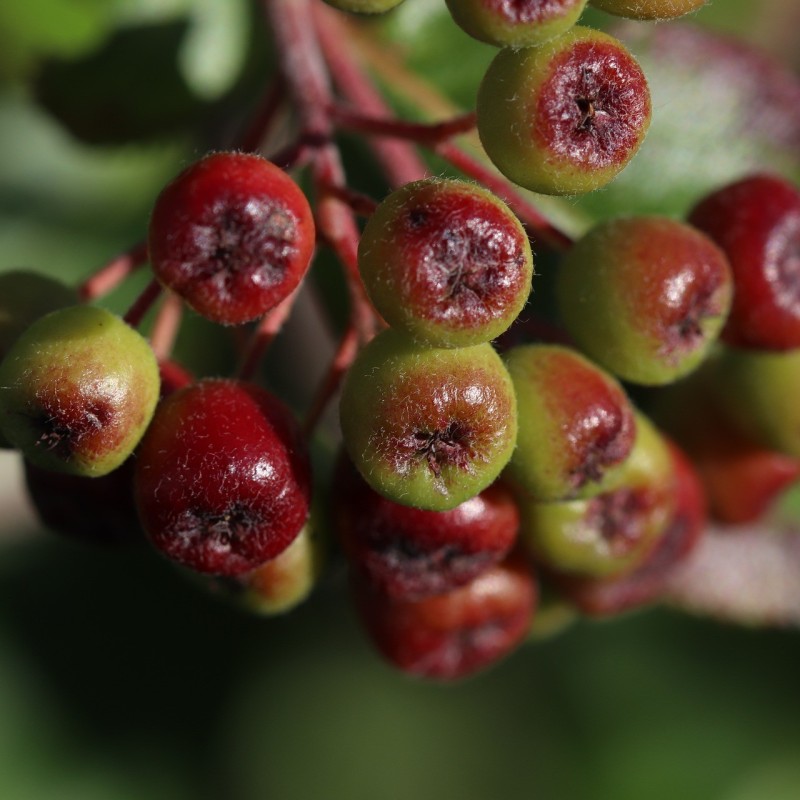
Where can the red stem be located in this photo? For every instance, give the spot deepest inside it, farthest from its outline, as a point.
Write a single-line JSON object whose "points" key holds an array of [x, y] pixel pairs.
{"points": [[143, 303], [342, 359], [113, 273], [166, 326], [419, 132], [266, 331], [398, 159], [306, 74]]}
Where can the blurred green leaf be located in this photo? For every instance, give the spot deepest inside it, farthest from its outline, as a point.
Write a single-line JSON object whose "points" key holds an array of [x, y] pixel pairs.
{"points": [[132, 88], [39, 28]]}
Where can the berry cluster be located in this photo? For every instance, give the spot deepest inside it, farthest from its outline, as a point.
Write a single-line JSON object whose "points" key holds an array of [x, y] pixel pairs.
{"points": [[490, 444]]}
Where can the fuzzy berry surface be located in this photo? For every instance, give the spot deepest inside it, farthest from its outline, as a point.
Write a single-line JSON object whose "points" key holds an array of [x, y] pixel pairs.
{"points": [[447, 262], [565, 117], [233, 235], [222, 477]]}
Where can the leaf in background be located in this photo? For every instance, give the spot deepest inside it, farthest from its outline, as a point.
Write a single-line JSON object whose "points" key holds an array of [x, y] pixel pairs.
{"points": [[34, 29], [721, 109], [747, 576], [132, 88]]}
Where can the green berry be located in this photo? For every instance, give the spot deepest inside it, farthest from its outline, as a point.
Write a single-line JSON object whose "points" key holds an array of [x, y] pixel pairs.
{"points": [[575, 423], [648, 9], [610, 533], [428, 427]]}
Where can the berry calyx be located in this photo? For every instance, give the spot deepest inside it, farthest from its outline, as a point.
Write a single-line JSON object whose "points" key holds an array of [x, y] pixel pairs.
{"points": [[425, 426], [447, 262], [411, 553], [233, 235], [565, 117], [222, 477]]}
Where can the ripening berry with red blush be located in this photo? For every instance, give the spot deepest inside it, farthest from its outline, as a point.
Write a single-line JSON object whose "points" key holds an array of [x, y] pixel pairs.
{"points": [[756, 221], [447, 262], [646, 297], [600, 597], [410, 553], [233, 235], [521, 23], [223, 478], [564, 117], [453, 635]]}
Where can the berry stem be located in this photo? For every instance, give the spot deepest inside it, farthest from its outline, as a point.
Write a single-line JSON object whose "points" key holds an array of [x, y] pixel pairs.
{"points": [[304, 68], [166, 326], [113, 273], [264, 117], [266, 331], [419, 132], [362, 204], [342, 359], [399, 160], [143, 303]]}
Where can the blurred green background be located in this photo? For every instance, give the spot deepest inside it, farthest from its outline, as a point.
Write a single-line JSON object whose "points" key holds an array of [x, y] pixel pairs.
{"points": [[120, 679]]}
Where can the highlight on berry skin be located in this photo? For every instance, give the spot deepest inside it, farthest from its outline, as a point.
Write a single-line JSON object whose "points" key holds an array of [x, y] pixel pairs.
{"points": [[565, 117], [447, 262], [233, 235], [523, 23], [223, 478]]}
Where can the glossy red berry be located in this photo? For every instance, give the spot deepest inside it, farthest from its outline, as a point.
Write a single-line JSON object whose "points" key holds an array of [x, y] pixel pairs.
{"points": [[233, 235], [756, 221], [410, 553], [456, 634], [222, 477]]}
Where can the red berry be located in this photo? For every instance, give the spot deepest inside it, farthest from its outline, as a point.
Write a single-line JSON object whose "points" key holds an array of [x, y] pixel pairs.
{"points": [[756, 221], [456, 634], [222, 477], [233, 235], [411, 553]]}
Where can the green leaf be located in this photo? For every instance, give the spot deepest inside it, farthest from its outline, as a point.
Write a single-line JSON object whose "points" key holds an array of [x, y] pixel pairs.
{"points": [[132, 88], [34, 29]]}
